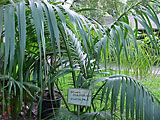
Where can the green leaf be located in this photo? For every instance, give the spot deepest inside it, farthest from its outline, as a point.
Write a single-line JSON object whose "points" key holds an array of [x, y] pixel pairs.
{"points": [[37, 15], [147, 28], [115, 93], [132, 92], [128, 99], [102, 43], [51, 30], [153, 15], [31, 86], [137, 102], [12, 38], [114, 35], [132, 33], [22, 35], [75, 19], [123, 40], [10, 88], [108, 84], [77, 48], [1, 20], [94, 82], [53, 24], [141, 103], [9, 33], [85, 9], [122, 96], [138, 98]]}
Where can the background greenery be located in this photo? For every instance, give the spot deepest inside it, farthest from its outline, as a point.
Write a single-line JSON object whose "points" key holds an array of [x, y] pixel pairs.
{"points": [[44, 45], [99, 9]]}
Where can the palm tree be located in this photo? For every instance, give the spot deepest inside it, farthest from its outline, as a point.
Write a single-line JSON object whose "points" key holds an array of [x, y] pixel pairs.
{"points": [[43, 42]]}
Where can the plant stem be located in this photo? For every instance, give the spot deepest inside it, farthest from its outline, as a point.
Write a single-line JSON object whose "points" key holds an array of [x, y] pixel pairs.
{"points": [[62, 97], [96, 94]]}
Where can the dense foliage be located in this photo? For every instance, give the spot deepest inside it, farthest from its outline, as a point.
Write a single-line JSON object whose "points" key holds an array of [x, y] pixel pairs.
{"points": [[41, 43]]}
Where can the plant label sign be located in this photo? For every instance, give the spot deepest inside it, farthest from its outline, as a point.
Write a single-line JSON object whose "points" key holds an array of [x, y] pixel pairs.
{"points": [[78, 96]]}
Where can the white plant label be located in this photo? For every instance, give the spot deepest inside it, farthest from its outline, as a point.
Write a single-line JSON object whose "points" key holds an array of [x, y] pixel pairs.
{"points": [[78, 96]]}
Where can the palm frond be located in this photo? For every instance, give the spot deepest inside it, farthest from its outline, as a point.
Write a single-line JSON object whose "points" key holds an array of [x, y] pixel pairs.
{"points": [[41, 32], [1, 20], [76, 48], [136, 101]]}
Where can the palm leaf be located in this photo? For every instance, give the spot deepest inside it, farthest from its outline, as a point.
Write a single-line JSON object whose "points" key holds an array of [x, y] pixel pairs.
{"points": [[75, 20], [83, 42], [37, 14], [9, 36], [137, 97], [1, 20], [76, 47]]}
